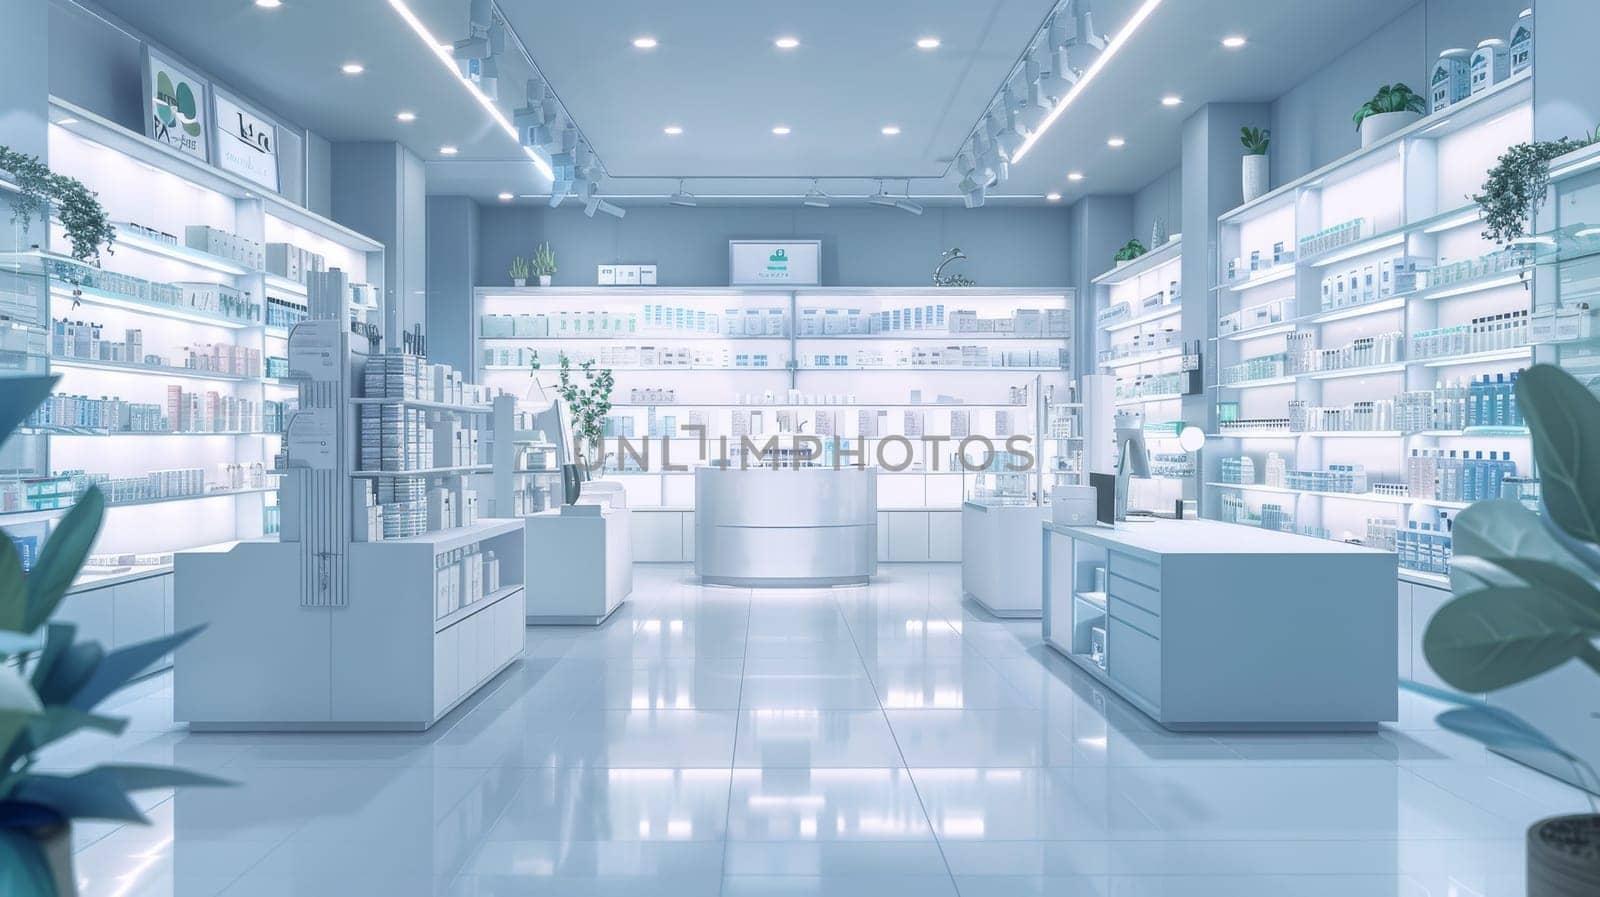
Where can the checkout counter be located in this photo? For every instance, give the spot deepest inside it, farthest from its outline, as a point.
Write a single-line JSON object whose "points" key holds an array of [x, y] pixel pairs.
{"points": [[805, 527]]}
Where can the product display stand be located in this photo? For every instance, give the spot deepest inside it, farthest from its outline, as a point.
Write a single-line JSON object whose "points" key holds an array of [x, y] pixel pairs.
{"points": [[1000, 556], [324, 632]]}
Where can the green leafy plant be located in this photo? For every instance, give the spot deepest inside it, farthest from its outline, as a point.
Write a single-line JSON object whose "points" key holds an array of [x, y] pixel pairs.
{"points": [[589, 403], [1514, 190], [544, 261], [519, 268], [50, 684], [84, 219], [1526, 586], [1255, 140], [1130, 251], [1390, 98]]}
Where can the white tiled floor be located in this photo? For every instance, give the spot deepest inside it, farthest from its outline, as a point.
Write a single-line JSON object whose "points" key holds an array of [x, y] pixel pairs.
{"points": [[870, 741]]}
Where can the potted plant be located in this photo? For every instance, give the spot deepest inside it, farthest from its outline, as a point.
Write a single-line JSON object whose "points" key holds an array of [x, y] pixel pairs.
{"points": [[50, 684], [38, 188], [1527, 600], [1515, 188], [533, 374], [589, 404], [1255, 141], [1129, 251], [519, 272], [544, 263], [1392, 108]]}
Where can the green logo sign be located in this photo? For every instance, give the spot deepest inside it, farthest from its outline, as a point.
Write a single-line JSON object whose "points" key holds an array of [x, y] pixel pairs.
{"points": [[176, 106]]}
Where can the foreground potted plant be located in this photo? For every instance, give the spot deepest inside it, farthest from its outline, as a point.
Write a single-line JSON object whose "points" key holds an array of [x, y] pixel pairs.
{"points": [[519, 272], [1393, 107], [50, 684], [544, 263], [1129, 251], [1255, 142], [1527, 600], [38, 188]]}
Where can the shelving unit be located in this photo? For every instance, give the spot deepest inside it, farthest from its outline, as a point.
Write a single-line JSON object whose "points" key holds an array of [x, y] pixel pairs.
{"points": [[1406, 192], [1142, 349], [919, 508]]}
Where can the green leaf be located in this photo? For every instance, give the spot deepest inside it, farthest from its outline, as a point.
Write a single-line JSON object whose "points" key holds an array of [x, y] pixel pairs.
{"points": [[141, 777], [123, 664], [62, 557], [1485, 723], [70, 671], [1564, 418], [95, 794], [1495, 637], [19, 396], [13, 588], [24, 871], [56, 723], [19, 706]]}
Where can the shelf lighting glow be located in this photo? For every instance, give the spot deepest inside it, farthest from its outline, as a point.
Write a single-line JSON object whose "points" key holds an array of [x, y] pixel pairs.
{"points": [[1452, 223], [1089, 74], [1477, 357], [1356, 311], [1478, 287], [443, 52], [1268, 330]]}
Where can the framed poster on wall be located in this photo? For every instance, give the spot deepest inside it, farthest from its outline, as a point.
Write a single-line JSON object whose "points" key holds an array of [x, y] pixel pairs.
{"points": [[245, 141], [775, 262], [174, 104]]}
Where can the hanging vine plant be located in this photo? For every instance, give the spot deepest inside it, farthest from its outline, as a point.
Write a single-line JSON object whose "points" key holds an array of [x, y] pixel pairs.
{"points": [[1515, 189], [38, 188]]}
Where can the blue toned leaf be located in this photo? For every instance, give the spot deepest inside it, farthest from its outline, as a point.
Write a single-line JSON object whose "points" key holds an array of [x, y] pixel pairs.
{"points": [[122, 665], [24, 871], [62, 557], [19, 396]]}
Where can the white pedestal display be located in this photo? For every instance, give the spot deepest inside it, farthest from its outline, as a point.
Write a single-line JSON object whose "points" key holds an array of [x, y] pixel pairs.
{"points": [[580, 564], [1000, 557]]}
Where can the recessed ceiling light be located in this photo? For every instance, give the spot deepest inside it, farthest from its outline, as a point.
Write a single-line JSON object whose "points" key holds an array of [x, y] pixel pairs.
{"points": [[1171, 99], [786, 43], [1053, 197], [645, 43], [506, 197], [269, 4], [447, 150], [891, 130], [352, 68], [1074, 175], [405, 116], [1233, 41], [672, 130], [927, 43], [67, 121], [781, 130], [1116, 143]]}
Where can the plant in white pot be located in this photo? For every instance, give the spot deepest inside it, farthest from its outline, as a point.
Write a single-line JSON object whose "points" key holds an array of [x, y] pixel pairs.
{"points": [[1527, 600], [1392, 108], [544, 263], [589, 403], [50, 684], [1255, 141], [519, 272], [1129, 251]]}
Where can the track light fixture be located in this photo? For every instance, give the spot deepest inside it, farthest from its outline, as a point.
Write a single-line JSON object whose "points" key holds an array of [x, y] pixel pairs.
{"points": [[683, 197], [882, 197], [815, 198], [532, 120], [905, 204]]}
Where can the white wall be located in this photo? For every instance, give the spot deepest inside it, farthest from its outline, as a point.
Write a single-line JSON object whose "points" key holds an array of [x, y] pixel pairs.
{"points": [[1311, 122], [1161, 198]]}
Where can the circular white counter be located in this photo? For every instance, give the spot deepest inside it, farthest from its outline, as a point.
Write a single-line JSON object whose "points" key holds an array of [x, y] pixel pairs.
{"points": [[786, 527]]}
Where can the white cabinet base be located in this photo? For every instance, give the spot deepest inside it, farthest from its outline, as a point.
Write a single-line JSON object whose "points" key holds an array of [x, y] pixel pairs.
{"points": [[1001, 567], [579, 566]]}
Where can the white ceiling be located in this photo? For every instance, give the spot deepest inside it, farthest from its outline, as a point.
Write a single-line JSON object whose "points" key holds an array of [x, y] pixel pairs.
{"points": [[717, 74]]}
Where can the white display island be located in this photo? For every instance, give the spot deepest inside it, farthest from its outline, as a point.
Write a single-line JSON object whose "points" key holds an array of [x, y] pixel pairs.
{"points": [[579, 562], [389, 660], [1000, 557], [1214, 627], [812, 526]]}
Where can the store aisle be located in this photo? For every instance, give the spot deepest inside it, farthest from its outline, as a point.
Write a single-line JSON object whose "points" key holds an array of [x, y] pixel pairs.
{"points": [[868, 741]]}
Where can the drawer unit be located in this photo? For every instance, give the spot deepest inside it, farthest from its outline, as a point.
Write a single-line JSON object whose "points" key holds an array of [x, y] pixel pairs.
{"points": [[1146, 598], [1134, 615], [1134, 660], [1137, 569]]}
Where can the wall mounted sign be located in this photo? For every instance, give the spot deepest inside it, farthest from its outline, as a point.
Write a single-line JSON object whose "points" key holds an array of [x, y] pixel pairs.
{"points": [[246, 142], [777, 262], [175, 105]]}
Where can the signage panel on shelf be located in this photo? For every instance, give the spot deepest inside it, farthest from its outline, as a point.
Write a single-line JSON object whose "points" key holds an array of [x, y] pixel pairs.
{"points": [[174, 104], [246, 142], [775, 262]]}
